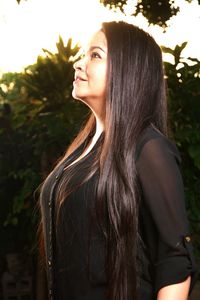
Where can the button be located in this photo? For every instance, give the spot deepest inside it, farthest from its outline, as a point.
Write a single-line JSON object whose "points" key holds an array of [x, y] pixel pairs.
{"points": [[188, 239], [49, 262], [49, 203], [57, 176]]}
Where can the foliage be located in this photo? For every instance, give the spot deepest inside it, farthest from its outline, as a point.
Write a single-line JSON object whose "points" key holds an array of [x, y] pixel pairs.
{"points": [[38, 118], [184, 94], [157, 11]]}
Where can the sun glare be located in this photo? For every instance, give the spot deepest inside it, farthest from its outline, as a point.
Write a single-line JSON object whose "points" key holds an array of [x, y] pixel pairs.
{"points": [[35, 24]]}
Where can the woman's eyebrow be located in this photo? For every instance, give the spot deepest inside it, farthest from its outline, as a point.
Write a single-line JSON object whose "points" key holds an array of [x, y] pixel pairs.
{"points": [[96, 47]]}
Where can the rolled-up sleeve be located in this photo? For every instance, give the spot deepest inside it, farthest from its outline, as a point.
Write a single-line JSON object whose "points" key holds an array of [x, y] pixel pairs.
{"points": [[163, 194]]}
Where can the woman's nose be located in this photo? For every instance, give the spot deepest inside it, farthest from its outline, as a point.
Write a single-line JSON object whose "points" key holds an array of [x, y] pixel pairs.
{"points": [[79, 65]]}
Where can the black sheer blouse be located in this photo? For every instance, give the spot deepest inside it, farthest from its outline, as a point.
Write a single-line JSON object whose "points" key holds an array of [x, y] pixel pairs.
{"points": [[166, 255]]}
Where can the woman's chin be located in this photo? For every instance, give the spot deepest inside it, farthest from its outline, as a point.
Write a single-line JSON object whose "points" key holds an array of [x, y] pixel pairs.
{"points": [[77, 96]]}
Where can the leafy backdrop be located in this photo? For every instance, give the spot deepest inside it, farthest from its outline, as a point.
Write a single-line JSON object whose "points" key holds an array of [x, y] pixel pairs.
{"points": [[38, 119]]}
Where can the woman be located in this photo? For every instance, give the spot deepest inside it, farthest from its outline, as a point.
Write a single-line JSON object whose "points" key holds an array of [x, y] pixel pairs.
{"points": [[113, 212]]}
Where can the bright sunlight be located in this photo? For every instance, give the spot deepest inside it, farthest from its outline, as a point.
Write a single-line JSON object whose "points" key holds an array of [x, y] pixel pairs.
{"points": [[35, 24]]}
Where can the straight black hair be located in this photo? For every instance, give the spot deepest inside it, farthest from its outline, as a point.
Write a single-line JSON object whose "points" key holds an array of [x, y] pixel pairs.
{"points": [[136, 99]]}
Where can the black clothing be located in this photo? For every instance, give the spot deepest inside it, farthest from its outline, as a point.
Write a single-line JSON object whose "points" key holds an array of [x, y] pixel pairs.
{"points": [[166, 256]]}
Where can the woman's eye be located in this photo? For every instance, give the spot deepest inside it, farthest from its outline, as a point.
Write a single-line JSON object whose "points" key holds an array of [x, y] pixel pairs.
{"points": [[95, 55]]}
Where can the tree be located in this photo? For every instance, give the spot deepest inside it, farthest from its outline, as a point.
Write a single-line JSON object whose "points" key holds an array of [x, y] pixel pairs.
{"points": [[38, 119], [183, 80], [157, 11]]}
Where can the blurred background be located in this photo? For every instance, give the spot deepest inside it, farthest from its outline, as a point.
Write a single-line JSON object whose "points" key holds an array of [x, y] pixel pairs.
{"points": [[40, 40]]}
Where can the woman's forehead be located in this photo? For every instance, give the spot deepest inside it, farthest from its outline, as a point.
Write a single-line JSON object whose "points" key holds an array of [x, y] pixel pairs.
{"points": [[98, 40]]}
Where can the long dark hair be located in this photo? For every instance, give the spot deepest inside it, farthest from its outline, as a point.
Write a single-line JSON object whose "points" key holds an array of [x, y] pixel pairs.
{"points": [[135, 100]]}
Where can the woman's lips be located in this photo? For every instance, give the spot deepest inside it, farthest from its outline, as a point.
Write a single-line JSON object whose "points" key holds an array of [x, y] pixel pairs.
{"points": [[79, 79]]}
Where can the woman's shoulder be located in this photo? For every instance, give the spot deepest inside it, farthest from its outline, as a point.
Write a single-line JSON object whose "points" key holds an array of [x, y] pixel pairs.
{"points": [[151, 138]]}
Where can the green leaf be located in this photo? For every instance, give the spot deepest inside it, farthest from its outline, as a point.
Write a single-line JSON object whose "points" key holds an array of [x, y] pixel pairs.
{"points": [[167, 50], [194, 151]]}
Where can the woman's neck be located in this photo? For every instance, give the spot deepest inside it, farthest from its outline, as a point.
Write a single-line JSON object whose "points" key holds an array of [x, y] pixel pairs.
{"points": [[99, 128]]}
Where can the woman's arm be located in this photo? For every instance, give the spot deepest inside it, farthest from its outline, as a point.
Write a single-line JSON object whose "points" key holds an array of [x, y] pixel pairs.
{"points": [[163, 193], [176, 291]]}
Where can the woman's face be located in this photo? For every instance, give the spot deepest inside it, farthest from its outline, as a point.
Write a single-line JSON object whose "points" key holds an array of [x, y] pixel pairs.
{"points": [[90, 74]]}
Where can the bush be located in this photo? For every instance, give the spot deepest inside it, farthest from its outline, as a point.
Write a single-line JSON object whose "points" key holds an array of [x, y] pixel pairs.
{"points": [[39, 118]]}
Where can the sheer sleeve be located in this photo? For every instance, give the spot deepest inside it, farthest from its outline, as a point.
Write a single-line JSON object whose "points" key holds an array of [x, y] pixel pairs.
{"points": [[163, 194]]}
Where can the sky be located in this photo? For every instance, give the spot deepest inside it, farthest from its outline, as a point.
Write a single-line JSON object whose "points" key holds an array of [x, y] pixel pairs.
{"points": [[35, 24]]}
